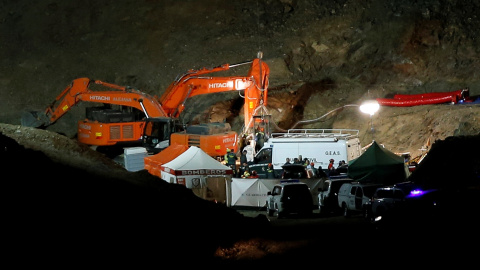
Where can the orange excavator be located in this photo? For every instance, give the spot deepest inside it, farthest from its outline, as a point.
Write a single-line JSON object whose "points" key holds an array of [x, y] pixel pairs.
{"points": [[129, 116]]}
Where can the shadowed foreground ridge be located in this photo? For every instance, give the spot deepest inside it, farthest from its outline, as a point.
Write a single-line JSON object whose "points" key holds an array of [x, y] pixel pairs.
{"points": [[64, 212], [82, 216]]}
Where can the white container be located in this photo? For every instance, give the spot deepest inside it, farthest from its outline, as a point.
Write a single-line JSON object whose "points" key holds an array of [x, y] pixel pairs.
{"points": [[134, 158]]}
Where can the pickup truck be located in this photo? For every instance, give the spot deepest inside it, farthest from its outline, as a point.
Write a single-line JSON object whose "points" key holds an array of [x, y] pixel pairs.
{"points": [[354, 197]]}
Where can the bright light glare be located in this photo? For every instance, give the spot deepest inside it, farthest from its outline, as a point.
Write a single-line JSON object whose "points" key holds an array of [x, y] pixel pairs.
{"points": [[370, 107]]}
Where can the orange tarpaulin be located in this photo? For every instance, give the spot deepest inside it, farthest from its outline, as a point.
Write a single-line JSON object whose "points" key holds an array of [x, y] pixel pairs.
{"points": [[153, 163]]}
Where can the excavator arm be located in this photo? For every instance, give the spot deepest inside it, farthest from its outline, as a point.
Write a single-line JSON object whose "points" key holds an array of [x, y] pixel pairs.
{"points": [[193, 83], [79, 91], [256, 95]]}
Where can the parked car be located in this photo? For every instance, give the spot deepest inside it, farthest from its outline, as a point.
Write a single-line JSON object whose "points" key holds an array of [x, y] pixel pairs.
{"points": [[388, 197], [328, 195], [402, 201], [288, 198], [355, 197]]}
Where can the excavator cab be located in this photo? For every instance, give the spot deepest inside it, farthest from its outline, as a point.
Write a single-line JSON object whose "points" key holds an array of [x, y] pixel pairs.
{"points": [[157, 131]]}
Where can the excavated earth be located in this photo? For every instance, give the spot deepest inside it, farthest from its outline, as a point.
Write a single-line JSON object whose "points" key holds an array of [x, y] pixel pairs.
{"points": [[68, 204]]}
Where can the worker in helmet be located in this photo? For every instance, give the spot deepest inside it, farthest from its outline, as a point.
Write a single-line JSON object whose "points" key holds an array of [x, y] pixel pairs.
{"points": [[312, 171], [330, 165], [331, 168], [231, 160], [259, 139], [270, 172], [246, 173], [226, 156]]}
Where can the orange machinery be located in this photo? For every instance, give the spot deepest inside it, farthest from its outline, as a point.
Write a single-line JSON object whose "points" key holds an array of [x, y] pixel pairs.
{"points": [[127, 115]]}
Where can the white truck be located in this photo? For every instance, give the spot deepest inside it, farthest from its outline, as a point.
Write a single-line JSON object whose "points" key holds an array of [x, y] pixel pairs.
{"points": [[317, 145], [354, 197]]}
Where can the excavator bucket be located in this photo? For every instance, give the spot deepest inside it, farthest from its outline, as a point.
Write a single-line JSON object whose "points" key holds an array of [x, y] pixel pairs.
{"points": [[34, 119]]}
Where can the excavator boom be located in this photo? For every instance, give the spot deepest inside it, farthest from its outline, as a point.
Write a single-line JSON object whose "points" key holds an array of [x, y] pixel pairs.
{"points": [[256, 95], [79, 91], [193, 83]]}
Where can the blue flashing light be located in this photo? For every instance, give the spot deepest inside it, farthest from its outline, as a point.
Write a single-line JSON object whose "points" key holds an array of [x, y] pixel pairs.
{"points": [[416, 193], [419, 192]]}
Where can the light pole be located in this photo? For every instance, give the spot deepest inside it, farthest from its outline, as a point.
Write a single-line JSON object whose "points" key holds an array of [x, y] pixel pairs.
{"points": [[370, 107]]}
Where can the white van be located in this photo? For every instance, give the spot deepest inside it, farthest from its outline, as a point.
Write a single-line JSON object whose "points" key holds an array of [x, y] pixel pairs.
{"points": [[318, 145]]}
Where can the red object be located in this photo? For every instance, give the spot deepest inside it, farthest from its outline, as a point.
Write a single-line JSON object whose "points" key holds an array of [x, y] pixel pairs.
{"points": [[400, 100], [414, 102]]}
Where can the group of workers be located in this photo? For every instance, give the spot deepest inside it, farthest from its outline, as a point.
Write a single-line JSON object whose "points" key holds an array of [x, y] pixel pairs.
{"points": [[341, 168], [244, 168], [253, 143], [312, 172], [244, 171]]}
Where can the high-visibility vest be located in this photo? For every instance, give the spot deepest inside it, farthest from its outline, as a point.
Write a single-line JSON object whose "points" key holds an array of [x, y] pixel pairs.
{"points": [[230, 158]]}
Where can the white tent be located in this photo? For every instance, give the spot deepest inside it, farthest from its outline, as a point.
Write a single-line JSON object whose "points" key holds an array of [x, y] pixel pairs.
{"points": [[195, 169], [253, 192]]}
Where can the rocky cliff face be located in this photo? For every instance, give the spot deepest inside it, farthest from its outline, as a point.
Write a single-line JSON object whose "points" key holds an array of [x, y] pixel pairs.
{"points": [[323, 55]]}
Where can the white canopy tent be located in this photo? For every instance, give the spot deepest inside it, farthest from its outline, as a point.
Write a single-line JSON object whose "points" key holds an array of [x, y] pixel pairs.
{"points": [[195, 169]]}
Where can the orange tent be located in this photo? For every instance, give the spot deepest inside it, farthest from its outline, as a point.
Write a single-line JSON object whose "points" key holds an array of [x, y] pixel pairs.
{"points": [[153, 163]]}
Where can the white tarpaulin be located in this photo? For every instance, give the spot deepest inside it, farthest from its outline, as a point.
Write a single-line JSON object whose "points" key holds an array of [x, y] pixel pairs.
{"points": [[253, 192]]}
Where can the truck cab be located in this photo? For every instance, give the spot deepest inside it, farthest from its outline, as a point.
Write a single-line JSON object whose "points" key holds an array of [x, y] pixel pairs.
{"points": [[261, 161]]}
